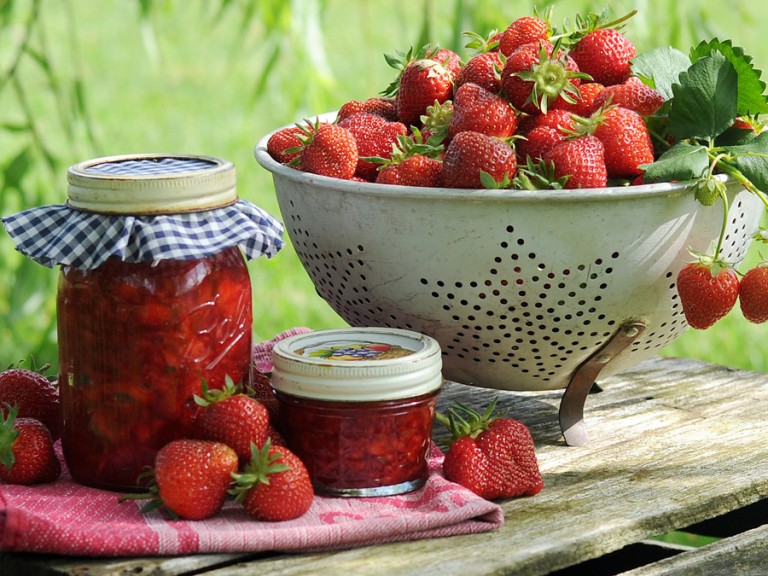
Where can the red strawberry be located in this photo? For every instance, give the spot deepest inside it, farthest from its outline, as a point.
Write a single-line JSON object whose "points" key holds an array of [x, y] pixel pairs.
{"points": [[384, 107], [447, 59], [524, 30], [275, 485], [191, 478], [584, 104], [328, 150], [753, 294], [475, 160], [538, 142], [605, 54], [632, 94], [415, 170], [422, 83], [493, 456], [627, 142], [534, 79], [482, 69], [34, 395], [26, 450], [582, 160], [284, 145], [231, 417], [708, 289], [374, 136], [476, 109]]}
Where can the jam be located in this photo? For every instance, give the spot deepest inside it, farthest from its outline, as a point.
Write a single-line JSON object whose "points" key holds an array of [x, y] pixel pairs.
{"points": [[360, 448], [136, 342], [357, 406]]}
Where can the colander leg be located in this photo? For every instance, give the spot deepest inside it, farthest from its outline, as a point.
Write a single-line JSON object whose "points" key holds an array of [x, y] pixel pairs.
{"points": [[572, 404]]}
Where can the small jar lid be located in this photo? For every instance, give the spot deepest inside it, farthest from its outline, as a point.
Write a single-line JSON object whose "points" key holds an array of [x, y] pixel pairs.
{"points": [[357, 364], [151, 184]]}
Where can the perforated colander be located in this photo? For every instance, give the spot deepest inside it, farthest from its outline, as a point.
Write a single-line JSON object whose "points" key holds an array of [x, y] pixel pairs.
{"points": [[519, 288]]}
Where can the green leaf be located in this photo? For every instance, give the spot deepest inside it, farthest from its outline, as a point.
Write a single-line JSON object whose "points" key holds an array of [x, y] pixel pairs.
{"points": [[661, 67], [705, 100], [683, 161], [752, 160], [751, 99]]}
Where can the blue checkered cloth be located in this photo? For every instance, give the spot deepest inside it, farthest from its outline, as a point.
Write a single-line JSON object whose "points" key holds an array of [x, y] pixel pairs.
{"points": [[59, 235]]}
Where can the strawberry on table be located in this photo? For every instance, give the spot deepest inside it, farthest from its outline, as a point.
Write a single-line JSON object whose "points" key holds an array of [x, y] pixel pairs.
{"points": [[34, 396], [191, 479], [275, 485], [233, 418], [492, 455], [753, 294], [708, 290], [26, 450]]}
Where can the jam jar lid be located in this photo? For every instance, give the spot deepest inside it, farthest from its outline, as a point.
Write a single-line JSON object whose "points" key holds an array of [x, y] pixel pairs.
{"points": [[151, 184], [357, 364]]}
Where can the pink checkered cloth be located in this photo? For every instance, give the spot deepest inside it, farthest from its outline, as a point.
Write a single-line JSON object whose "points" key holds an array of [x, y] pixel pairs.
{"points": [[64, 517]]}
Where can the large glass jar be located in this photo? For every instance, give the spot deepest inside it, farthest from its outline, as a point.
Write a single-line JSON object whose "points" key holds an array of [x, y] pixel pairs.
{"points": [[136, 341], [154, 299]]}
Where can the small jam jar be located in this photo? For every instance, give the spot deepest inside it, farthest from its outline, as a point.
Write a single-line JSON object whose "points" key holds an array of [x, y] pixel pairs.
{"points": [[357, 406], [138, 337]]}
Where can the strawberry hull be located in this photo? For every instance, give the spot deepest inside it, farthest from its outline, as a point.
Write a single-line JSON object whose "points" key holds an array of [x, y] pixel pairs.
{"points": [[136, 342]]}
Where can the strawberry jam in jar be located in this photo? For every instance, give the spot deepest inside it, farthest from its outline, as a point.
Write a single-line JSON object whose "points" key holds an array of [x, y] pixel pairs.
{"points": [[165, 306], [357, 406]]}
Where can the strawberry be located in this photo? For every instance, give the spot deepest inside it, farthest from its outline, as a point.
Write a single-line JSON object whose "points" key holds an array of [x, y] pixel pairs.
{"points": [[284, 145], [582, 160], [632, 94], [233, 418], [483, 69], [605, 54], [538, 142], [34, 396], [708, 290], [447, 59], [384, 107], [26, 450], [493, 456], [584, 103], [274, 486], [476, 109], [328, 150], [422, 82], [475, 160], [524, 30], [753, 294], [414, 170], [190, 479], [536, 76], [627, 142], [374, 136]]}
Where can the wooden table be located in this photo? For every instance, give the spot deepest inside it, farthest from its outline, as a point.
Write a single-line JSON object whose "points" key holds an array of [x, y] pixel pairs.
{"points": [[675, 445]]}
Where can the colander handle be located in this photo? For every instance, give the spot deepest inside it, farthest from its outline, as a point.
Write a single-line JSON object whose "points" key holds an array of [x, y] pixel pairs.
{"points": [[572, 404]]}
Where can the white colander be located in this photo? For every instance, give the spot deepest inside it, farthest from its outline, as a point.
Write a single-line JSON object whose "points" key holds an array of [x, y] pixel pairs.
{"points": [[519, 288]]}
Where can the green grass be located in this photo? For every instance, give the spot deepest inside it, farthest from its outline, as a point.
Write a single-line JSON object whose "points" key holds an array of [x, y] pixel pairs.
{"points": [[184, 77]]}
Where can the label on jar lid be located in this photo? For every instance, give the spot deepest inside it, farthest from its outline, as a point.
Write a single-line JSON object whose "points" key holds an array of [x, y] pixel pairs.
{"points": [[354, 351]]}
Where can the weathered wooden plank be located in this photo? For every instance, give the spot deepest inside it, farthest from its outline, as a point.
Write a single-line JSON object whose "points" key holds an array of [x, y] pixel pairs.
{"points": [[745, 554], [673, 442]]}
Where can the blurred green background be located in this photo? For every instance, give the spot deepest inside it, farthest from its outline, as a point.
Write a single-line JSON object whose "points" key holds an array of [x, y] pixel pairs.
{"points": [[86, 78]]}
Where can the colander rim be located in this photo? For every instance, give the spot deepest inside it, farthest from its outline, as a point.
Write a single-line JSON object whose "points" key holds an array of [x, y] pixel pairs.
{"points": [[612, 194]]}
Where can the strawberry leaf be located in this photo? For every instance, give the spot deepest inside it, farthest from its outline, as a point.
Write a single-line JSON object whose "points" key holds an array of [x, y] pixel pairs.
{"points": [[660, 68], [683, 161], [751, 100], [752, 160], [705, 99]]}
